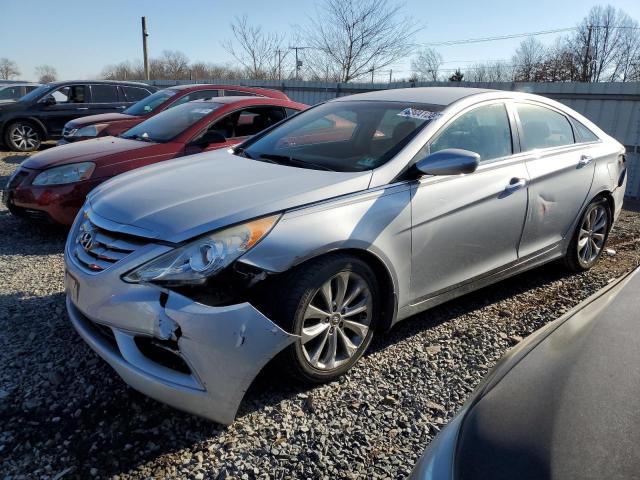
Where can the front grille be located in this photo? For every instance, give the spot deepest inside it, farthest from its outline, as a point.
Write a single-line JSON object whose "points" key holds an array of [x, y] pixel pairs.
{"points": [[97, 249]]}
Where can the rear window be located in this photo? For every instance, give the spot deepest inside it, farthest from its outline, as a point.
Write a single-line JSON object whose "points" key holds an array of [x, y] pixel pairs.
{"points": [[238, 93], [543, 127], [104, 94], [134, 93]]}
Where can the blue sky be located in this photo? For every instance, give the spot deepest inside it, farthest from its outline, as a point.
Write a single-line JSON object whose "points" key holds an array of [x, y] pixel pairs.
{"points": [[79, 37]]}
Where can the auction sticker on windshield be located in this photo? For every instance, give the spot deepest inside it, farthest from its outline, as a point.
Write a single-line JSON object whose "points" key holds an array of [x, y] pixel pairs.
{"points": [[419, 114]]}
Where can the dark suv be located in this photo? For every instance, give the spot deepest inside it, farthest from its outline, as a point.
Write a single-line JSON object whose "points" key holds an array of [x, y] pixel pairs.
{"points": [[41, 114]]}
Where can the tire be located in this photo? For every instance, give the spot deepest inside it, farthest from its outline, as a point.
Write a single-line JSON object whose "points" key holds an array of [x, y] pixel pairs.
{"points": [[296, 303], [590, 237], [23, 136]]}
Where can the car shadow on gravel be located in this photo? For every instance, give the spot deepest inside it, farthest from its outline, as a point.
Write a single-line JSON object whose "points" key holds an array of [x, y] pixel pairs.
{"points": [[78, 412], [19, 236]]}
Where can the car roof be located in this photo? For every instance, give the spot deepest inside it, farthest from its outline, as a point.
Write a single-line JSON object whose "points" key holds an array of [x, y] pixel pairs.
{"points": [[267, 92], [430, 95], [238, 99], [107, 82]]}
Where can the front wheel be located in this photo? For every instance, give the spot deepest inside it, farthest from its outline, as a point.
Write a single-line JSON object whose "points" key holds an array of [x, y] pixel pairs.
{"points": [[332, 304], [590, 236], [23, 137]]}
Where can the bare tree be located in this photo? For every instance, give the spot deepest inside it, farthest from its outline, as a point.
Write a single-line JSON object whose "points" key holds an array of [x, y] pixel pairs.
{"points": [[175, 65], [426, 64], [8, 69], [257, 51], [527, 59], [46, 74], [353, 37]]}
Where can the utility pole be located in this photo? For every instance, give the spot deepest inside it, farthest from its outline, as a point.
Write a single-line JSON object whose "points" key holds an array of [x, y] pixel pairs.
{"points": [[390, 75], [298, 62], [144, 47], [279, 52], [585, 63], [372, 72]]}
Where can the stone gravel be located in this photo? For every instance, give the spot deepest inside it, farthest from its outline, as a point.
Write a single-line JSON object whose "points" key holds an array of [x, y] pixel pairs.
{"points": [[65, 414]]}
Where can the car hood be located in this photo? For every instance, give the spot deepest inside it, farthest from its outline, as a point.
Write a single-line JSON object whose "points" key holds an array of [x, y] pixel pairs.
{"points": [[180, 199], [88, 150], [103, 117], [566, 408]]}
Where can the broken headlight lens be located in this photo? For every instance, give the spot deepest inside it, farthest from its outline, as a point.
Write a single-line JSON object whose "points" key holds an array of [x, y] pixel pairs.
{"points": [[194, 262]]}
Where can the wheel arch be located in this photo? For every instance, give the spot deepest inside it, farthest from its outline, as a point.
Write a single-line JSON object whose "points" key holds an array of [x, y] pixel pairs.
{"points": [[384, 274], [36, 122]]}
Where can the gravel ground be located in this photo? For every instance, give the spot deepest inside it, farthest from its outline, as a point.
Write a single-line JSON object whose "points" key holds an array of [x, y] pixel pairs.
{"points": [[65, 414]]}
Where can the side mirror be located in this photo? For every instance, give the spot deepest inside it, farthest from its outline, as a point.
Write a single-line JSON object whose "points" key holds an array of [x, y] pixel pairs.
{"points": [[450, 161], [49, 100], [212, 136]]}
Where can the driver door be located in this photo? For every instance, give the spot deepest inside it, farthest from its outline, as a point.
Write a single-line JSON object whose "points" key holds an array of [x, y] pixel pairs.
{"points": [[467, 226], [72, 101]]}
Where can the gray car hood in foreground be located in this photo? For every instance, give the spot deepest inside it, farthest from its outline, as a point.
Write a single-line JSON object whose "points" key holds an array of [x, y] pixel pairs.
{"points": [[569, 408], [180, 199]]}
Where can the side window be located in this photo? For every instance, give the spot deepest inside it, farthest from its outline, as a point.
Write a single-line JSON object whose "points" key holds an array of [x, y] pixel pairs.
{"points": [[543, 127], [71, 94], [248, 122], [134, 93], [583, 133], [104, 94], [484, 130]]}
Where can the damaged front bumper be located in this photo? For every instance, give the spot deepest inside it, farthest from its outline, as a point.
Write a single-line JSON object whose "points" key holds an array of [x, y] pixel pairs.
{"points": [[197, 358]]}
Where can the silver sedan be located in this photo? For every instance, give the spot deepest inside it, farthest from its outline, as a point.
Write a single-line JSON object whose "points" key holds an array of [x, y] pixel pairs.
{"points": [[189, 276]]}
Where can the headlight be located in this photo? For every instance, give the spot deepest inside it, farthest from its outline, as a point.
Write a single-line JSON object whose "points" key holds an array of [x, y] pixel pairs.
{"points": [[74, 172], [88, 131], [195, 262]]}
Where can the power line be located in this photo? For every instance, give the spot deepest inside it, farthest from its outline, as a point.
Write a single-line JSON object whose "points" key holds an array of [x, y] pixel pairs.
{"points": [[493, 39]]}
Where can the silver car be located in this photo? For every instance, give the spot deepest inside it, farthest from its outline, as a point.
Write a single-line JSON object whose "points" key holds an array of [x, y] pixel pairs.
{"points": [[189, 276]]}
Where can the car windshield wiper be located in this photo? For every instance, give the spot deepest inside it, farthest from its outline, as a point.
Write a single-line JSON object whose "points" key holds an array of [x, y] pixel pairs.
{"points": [[138, 137], [242, 152], [285, 160]]}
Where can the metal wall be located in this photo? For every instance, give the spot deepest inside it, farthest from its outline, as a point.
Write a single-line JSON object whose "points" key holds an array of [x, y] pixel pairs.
{"points": [[615, 107]]}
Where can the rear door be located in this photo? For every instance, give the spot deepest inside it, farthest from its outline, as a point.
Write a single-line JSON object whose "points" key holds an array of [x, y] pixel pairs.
{"points": [[561, 172], [467, 226], [105, 98]]}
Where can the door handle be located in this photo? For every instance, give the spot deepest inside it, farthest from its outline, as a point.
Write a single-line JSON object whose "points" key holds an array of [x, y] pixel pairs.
{"points": [[516, 184], [82, 108], [584, 161]]}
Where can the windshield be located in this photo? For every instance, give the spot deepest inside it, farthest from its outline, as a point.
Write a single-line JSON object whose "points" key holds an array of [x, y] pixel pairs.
{"points": [[345, 136], [150, 103], [171, 123], [35, 93]]}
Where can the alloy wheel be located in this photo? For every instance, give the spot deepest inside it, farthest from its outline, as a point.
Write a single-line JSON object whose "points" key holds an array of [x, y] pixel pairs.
{"points": [[336, 321], [592, 234], [24, 137]]}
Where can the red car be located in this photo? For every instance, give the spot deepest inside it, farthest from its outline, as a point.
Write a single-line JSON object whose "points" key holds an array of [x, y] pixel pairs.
{"points": [[115, 123], [52, 185]]}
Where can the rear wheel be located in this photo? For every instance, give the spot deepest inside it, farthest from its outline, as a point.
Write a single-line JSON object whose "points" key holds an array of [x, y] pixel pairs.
{"points": [[23, 137], [332, 304], [590, 236]]}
